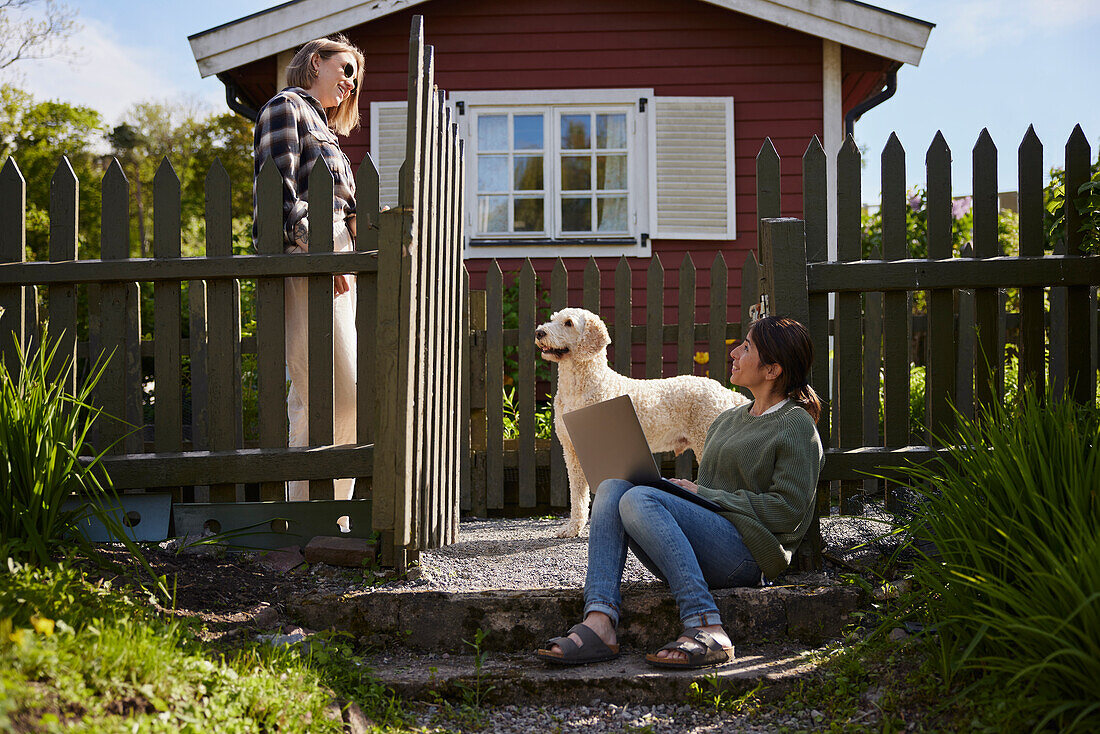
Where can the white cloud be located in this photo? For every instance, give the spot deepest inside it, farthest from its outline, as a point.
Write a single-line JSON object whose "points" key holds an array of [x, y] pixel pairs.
{"points": [[970, 28], [108, 74]]}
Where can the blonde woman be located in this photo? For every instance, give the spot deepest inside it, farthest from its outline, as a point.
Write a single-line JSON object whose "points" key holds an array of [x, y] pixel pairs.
{"points": [[295, 129]]}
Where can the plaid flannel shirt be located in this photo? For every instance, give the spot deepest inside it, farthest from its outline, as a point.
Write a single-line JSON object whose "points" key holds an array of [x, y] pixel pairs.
{"points": [[292, 129]]}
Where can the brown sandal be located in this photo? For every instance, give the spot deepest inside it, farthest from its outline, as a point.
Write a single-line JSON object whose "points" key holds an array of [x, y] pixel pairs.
{"points": [[702, 650], [593, 649]]}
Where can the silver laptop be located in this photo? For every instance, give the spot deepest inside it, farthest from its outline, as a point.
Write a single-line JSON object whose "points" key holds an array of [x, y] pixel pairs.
{"points": [[610, 444]]}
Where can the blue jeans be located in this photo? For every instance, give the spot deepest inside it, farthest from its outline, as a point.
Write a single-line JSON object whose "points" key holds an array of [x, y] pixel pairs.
{"points": [[691, 548]]}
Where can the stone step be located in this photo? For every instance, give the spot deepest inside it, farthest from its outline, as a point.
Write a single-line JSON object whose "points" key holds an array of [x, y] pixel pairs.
{"points": [[520, 679], [521, 621]]}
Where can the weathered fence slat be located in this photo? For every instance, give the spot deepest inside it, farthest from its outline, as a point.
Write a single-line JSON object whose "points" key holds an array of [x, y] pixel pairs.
{"points": [[965, 347], [623, 344], [428, 479], [197, 350], [719, 318], [320, 383], [895, 306], [478, 428], [655, 318], [940, 375], [223, 328], [848, 349], [559, 476], [750, 290], [767, 184], [872, 365], [525, 391], [494, 386], [450, 426], [591, 288], [270, 323], [988, 358], [1080, 374], [64, 217], [366, 304], [115, 245], [685, 347], [13, 249], [815, 206], [1032, 362]]}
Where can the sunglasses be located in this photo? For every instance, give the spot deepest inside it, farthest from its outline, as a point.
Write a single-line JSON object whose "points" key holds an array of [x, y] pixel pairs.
{"points": [[349, 73]]}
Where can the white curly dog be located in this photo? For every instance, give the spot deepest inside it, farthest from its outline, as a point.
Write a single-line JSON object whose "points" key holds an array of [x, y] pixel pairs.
{"points": [[675, 412]]}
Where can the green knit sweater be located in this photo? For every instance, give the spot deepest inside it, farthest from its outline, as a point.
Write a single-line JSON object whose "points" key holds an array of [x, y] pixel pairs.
{"points": [[763, 470]]}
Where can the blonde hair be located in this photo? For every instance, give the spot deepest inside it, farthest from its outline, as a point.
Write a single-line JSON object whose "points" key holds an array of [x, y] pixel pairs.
{"points": [[300, 73]]}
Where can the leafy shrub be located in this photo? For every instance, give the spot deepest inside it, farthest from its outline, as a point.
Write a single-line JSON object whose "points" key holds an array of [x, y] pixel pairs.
{"points": [[1012, 586], [42, 431]]}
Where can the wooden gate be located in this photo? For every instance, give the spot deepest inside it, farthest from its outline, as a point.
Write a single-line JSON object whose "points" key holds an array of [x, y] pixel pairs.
{"points": [[411, 318]]}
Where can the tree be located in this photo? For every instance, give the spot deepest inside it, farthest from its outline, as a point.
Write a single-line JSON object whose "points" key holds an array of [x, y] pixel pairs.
{"points": [[37, 135], [191, 140], [34, 29]]}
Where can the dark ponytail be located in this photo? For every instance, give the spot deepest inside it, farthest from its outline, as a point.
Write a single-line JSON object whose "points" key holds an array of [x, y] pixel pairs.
{"points": [[787, 343]]}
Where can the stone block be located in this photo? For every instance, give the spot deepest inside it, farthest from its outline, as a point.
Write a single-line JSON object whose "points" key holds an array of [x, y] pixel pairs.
{"points": [[336, 551]]}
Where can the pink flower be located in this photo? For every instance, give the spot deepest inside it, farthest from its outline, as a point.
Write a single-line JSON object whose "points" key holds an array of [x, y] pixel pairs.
{"points": [[960, 207], [915, 202]]}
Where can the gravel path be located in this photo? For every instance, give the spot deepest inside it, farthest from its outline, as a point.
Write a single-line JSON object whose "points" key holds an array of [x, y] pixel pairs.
{"points": [[527, 554]]}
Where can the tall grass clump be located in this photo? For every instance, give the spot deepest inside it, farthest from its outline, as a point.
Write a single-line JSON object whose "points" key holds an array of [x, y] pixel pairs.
{"points": [[1012, 587], [43, 428]]}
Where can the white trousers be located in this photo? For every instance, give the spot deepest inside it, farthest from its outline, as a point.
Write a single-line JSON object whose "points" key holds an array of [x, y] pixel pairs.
{"points": [[343, 369]]}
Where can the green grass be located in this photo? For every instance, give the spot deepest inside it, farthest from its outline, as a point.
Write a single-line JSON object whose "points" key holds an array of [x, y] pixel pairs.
{"points": [[92, 657]]}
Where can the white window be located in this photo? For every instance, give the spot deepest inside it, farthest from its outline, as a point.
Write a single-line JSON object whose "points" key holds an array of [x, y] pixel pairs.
{"points": [[582, 172]]}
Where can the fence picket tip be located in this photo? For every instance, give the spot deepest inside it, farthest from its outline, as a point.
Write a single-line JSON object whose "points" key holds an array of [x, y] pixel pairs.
{"points": [[767, 150], [814, 148]]}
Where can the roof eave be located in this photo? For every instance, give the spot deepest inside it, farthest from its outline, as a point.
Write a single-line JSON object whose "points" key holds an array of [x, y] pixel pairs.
{"points": [[847, 22]]}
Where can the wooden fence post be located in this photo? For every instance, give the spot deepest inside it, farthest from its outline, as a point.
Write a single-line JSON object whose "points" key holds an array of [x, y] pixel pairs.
{"points": [[783, 250]]}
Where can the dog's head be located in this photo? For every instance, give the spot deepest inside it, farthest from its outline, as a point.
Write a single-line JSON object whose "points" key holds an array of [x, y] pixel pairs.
{"points": [[572, 333]]}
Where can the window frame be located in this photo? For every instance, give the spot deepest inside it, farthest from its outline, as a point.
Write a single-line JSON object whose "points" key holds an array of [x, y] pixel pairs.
{"points": [[552, 242]]}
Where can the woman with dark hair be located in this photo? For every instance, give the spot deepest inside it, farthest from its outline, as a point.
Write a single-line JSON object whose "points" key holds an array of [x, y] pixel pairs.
{"points": [[295, 129], [760, 463]]}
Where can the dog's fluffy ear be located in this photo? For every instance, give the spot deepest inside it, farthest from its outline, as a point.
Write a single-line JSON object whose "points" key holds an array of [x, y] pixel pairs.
{"points": [[594, 338]]}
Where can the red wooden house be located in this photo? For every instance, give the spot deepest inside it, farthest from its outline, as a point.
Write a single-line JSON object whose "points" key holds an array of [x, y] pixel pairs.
{"points": [[599, 127]]}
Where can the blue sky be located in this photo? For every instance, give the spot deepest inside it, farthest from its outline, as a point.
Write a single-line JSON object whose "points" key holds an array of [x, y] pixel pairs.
{"points": [[1001, 64]]}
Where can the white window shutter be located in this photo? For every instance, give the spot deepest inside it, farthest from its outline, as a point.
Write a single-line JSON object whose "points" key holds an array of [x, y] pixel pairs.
{"points": [[387, 146], [691, 187]]}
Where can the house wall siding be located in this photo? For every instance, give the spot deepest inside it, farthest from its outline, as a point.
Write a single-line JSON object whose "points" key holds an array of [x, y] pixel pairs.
{"points": [[677, 47]]}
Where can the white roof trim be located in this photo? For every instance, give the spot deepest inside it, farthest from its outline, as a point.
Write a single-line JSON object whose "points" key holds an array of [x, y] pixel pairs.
{"points": [[854, 24], [269, 32]]}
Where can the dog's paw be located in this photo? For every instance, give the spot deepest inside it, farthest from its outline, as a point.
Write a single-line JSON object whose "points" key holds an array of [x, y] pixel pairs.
{"points": [[571, 529]]}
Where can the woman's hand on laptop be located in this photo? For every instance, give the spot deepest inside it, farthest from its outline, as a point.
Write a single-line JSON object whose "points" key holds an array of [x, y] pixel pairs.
{"points": [[688, 485]]}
